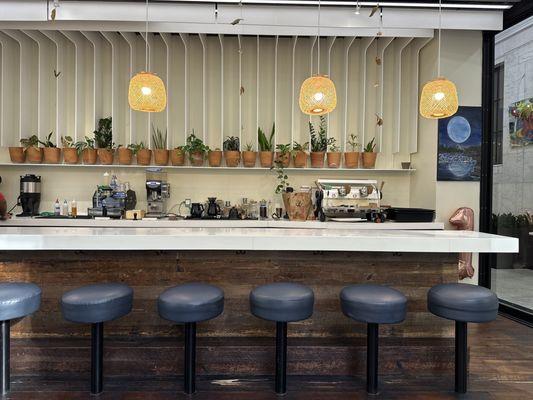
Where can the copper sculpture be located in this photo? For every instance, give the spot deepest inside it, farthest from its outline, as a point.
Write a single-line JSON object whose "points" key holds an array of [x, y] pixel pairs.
{"points": [[463, 219]]}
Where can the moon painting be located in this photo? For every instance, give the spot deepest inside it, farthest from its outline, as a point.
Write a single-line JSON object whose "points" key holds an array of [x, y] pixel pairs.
{"points": [[459, 157]]}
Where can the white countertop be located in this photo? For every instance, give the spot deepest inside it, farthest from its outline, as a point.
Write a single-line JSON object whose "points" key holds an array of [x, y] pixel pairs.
{"points": [[246, 238]]}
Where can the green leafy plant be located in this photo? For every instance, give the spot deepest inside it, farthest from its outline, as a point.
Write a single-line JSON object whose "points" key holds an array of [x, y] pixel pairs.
{"points": [[48, 141], [353, 142], [332, 145], [281, 176], [296, 147], [67, 142], [284, 148], [135, 147], [370, 146], [249, 147], [266, 144], [88, 143], [103, 135], [231, 143], [319, 140], [195, 145], [159, 140], [32, 141]]}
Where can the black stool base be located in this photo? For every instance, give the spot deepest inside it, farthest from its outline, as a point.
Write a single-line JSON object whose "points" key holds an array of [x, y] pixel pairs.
{"points": [[5, 332], [372, 338], [281, 357], [97, 357], [189, 373], [461, 357]]}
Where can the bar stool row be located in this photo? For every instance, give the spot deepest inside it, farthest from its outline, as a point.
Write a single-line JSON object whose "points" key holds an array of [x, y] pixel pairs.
{"points": [[191, 303]]}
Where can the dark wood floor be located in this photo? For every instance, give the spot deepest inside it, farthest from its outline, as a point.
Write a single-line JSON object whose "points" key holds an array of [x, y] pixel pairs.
{"points": [[501, 367]]}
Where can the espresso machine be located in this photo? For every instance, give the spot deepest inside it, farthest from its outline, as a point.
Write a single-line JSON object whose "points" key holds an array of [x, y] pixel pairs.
{"points": [[30, 195], [157, 192]]}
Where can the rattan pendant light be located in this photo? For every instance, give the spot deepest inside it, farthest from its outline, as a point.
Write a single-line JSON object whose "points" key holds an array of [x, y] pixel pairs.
{"points": [[317, 94], [439, 96], [147, 91]]}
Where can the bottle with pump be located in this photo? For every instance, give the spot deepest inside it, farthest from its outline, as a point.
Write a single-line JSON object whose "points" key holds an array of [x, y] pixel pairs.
{"points": [[64, 208], [57, 208], [74, 209]]}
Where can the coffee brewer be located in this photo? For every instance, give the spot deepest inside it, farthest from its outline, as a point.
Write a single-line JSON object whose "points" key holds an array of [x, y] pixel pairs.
{"points": [[30, 195], [157, 192]]}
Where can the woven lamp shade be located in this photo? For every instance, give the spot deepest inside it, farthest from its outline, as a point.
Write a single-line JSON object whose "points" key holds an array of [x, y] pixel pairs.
{"points": [[438, 99], [318, 95], [147, 93]]}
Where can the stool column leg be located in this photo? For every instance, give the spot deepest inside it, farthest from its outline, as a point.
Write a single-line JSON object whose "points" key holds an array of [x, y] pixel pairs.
{"points": [[461, 362], [372, 338], [5, 356], [189, 376], [281, 357], [97, 357]]}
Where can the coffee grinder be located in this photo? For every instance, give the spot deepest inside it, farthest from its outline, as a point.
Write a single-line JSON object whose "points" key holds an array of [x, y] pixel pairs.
{"points": [[30, 195], [157, 192]]}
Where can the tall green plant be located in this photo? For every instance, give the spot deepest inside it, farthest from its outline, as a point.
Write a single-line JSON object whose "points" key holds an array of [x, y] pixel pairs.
{"points": [[103, 135], [48, 141], [266, 144], [319, 140], [159, 140]]}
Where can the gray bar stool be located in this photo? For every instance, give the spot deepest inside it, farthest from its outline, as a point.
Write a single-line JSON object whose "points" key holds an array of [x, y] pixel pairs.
{"points": [[462, 303], [373, 304], [188, 304], [96, 304], [282, 303], [17, 300]]}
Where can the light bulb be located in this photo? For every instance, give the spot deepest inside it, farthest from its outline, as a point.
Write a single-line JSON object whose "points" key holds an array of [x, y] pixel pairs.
{"points": [[438, 96], [317, 110], [357, 10], [318, 96], [146, 91]]}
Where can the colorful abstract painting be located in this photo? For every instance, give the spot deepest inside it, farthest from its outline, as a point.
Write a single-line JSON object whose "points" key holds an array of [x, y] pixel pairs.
{"points": [[459, 157], [520, 128]]}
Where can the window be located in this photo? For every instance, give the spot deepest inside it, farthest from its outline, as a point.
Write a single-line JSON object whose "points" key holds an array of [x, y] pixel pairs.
{"points": [[497, 115]]}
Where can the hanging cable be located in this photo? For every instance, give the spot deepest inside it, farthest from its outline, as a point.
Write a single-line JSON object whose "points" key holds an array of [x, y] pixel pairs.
{"points": [[440, 28], [146, 38]]}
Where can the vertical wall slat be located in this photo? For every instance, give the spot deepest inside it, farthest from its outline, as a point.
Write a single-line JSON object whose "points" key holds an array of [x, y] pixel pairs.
{"points": [[401, 44], [150, 63], [385, 42], [96, 40], [365, 44], [293, 91], [10, 92], [167, 39], [204, 85], [313, 40], [130, 38], [221, 40], [185, 39], [257, 94], [347, 44], [276, 89], [330, 42], [239, 40]]}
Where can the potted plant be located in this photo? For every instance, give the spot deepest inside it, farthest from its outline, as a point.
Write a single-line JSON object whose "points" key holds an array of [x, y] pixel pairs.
{"points": [[319, 143], [266, 147], [144, 155], [249, 156], [369, 156], [299, 154], [283, 154], [125, 155], [214, 157], [103, 137], [232, 153], [177, 155], [87, 150], [70, 152], [333, 155], [34, 154], [159, 142], [196, 149], [17, 154], [52, 154], [351, 158]]}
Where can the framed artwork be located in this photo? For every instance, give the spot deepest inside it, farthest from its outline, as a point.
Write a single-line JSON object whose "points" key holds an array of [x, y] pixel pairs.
{"points": [[521, 123], [459, 151]]}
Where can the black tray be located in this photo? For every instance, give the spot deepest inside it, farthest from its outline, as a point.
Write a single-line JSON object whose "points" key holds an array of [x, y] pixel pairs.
{"points": [[399, 214]]}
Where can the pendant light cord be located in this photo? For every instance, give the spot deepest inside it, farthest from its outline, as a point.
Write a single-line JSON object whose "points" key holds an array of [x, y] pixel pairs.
{"points": [[146, 38], [318, 29], [440, 27]]}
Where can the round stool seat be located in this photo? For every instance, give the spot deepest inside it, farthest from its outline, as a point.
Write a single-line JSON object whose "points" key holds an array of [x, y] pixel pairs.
{"points": [[191, 302], [18, 299], [373, 304], [97, 303], [463, 302], [282, 302]]}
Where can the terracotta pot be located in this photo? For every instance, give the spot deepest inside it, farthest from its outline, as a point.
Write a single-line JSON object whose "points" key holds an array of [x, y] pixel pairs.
{"points": [[160, 156], [144, 156], [299, 160], [34, 155], [52, 155], [70, 155], [284, 158], [106, 156], [317, 159], [248, 158], [334, 159], [177, 157], [215, 158], [298, 205], [17, 154], [89, 156], [197, 159], [232, 157], [125, 156], [266, 158], [351, 159], [369, 159]]}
